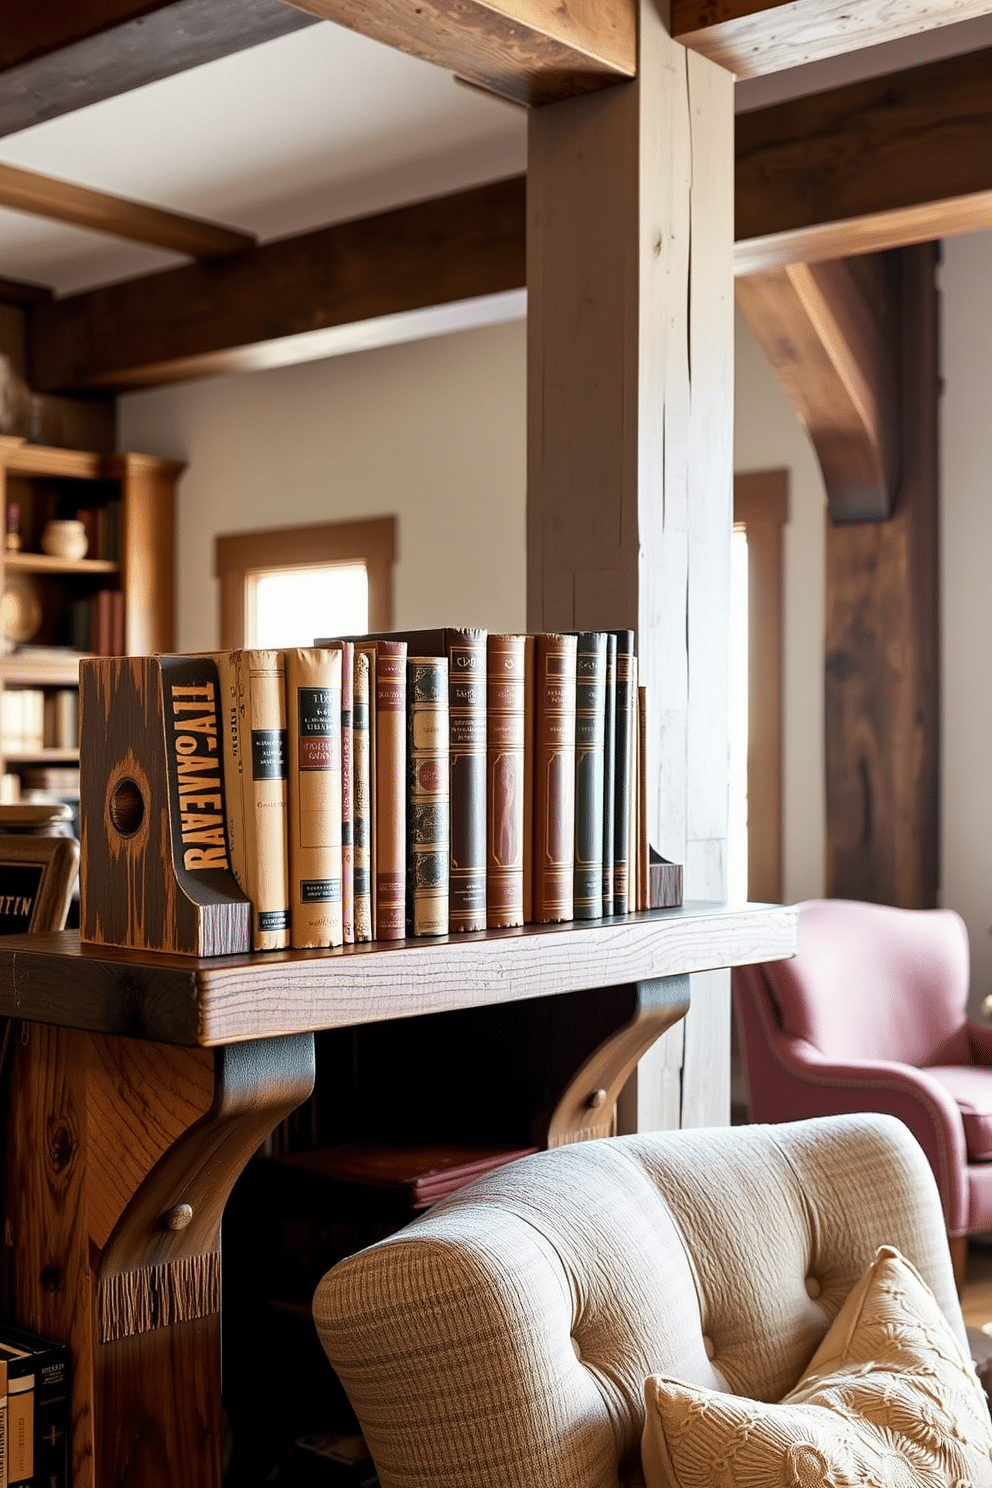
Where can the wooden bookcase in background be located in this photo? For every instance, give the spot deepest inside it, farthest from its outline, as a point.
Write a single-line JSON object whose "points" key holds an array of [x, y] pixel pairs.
{"points": [[48, 482]]}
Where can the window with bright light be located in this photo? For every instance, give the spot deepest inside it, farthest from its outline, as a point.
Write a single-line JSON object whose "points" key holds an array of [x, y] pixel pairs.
{"points": [[294, 606], [289, 586]]}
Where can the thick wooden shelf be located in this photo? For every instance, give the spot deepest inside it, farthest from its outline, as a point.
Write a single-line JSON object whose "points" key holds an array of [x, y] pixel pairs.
{"points": [[60, 668], [183, 1000], [47, 755]]}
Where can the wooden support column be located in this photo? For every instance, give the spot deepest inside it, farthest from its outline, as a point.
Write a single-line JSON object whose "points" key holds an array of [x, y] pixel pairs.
{"points": [[630, 366], [882, 648]]}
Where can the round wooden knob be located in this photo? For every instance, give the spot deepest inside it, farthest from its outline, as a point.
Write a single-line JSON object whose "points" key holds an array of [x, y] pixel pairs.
{"points": [[178, 1217], [597, 1099]]}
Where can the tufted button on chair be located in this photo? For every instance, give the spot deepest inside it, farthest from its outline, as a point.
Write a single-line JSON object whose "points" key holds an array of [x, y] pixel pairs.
{"points": [[871, 1015], [503, 1340]]}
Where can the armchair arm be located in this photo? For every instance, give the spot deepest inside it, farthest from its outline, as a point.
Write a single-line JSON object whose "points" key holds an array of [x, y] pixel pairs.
{"points": [[825, 1087]]}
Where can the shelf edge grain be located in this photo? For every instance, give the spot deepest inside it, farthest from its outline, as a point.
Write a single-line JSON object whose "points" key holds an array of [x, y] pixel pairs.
{"points": [[183, 1000]]}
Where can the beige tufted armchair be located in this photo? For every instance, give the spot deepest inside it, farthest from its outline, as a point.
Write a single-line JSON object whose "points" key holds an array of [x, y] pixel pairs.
{"points": [[502, 1340]]}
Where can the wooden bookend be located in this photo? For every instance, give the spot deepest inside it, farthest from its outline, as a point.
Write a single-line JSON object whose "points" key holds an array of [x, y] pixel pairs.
{"points": [[155, 872], [664, 882]]}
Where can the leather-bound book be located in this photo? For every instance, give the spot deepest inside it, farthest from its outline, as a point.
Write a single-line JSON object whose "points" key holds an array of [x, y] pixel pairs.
{"points": [[313, 708], [505, 777], [347, 792], [554, 776], [590, 721], [362, 799], [466, 654], [263, 675], [621, 775], [529, 663], [387, 734], [609, 767], [253, 700], [427, 820], [643, 848]]}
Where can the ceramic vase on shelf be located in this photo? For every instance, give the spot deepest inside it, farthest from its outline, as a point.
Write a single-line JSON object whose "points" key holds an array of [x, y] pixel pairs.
{"points": [[64, 539]]}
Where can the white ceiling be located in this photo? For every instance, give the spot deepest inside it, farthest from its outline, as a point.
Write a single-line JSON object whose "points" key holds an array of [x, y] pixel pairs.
{"points": [[316, 127]]}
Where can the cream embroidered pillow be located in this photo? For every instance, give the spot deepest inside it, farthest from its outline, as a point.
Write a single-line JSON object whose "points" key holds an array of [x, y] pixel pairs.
{"points": [[889, 1401]]}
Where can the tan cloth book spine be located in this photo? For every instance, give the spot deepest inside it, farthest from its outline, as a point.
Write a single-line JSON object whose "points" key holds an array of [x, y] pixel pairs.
{"points": [[362, 798], [427, 822], [505, 780], [264, 783], [390, 790], [554, 777], [313, 706], [529, 664]]}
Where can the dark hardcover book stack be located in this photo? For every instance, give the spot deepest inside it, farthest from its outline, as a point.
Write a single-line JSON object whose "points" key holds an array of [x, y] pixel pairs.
{"points": [[37, 1409]]}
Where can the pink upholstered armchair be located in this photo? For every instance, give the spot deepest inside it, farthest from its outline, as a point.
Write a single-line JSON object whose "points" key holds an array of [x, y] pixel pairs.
{"points": [[871, 1016]]}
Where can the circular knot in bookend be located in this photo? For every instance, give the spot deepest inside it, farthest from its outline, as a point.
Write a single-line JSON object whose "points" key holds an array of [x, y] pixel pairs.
{"points": [[127, 807]]}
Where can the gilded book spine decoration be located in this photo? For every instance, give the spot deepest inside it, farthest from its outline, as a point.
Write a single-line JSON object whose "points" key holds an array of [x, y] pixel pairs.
{"points": [[590, 719], [427, 824], [467, 723], [505, 793], [362, 791], [266, 759], [348, 791], [313, 685], [554, 777], [390, 780]]}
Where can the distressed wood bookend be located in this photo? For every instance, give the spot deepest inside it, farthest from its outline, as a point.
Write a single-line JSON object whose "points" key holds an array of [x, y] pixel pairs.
{"points": [[155, 872]]}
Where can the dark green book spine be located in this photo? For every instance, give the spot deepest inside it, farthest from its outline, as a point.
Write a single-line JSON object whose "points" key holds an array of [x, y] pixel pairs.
{"points": [[609, 768], [621, 773], [590, 719]]}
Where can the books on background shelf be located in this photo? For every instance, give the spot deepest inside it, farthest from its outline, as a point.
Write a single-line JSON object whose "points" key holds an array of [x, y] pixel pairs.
{"points": [[97, 623]]}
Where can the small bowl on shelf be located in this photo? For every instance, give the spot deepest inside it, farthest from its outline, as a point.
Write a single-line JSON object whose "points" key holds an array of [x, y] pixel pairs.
{"points": [[64, 539]]}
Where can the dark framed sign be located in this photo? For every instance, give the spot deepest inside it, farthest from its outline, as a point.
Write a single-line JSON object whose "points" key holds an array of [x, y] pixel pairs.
{"points": [[36, 879]]}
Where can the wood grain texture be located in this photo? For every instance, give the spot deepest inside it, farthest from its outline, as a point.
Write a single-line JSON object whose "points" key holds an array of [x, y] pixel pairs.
{"points": [[148, 547], [899, 159], [630, 237], [53, 978], [119, 217], [56, 58], [88, 1118], [226, 315], [530, 50], [761, 506], [133, 888], [754, 37], [587, 1107], [882, 651], [831, 334]]}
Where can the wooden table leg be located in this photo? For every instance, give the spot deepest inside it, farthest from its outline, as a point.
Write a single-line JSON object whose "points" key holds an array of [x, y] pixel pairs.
{"points": [[120, 1158]]}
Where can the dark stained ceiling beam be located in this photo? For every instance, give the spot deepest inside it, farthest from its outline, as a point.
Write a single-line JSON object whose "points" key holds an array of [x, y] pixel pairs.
{"points": [[535, 51], [62, 201], [285, 301], [880, 164], [55, 58], [752, 38]]}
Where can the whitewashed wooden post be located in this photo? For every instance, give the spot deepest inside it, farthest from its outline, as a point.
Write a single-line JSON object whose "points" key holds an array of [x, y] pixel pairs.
{"points": [[630, 471]]}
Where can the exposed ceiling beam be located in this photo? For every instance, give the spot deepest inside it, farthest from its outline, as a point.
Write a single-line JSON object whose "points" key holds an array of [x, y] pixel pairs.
{"points": [[285, 301], [55, 58], [896, 160], [44, 196], [533, 50], [755, 37], [831, 333]]}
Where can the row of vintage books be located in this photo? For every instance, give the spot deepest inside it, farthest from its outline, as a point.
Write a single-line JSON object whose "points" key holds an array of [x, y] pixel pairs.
{"points": [[428, 783]]}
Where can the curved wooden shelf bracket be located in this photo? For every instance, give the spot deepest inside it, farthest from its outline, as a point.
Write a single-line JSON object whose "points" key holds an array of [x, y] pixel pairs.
{"points": [[161, 1264], [833, 335], [586, 1107]]}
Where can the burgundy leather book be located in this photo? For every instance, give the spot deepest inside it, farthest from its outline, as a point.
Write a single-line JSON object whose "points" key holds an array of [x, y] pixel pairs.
{"points": [[554, 776], [505, 781]]}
